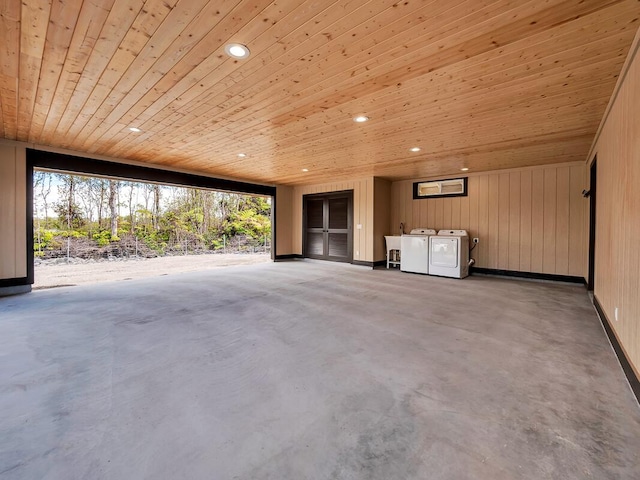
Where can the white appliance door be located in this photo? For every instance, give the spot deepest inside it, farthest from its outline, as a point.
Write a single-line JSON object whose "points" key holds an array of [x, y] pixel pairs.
{"points": [[444, 252], [414, 254]]}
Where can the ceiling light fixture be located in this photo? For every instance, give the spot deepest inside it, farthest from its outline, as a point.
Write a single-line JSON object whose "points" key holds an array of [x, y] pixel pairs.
{"points": [[242, 155], [360, 119], [465, 169], [305, 169], [415, 149], [135, 129], [237, 50]]}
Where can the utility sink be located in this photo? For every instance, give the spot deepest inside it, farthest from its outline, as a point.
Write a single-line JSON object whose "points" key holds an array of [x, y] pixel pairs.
{"points": [[393, 242]]}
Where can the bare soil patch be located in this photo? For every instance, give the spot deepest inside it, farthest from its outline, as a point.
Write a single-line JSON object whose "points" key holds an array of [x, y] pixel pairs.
{"points": [[62, 274]]}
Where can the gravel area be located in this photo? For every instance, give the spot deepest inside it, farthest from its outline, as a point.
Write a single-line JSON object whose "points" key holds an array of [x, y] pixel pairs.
{"points": [[63, 274]]}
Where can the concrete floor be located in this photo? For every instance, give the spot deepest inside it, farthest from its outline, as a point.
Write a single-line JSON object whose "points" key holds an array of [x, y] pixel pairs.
{"points": [[311, 370]]}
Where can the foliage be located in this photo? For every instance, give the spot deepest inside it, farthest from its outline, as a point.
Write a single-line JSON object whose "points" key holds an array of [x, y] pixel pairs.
{"points": [[72, 234], [44, 240], [102, 238], [68, 214], [162, 218]]}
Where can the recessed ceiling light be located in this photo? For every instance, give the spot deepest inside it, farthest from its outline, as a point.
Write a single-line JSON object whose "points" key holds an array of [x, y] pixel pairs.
{"points": [[415, 149], [242, 155], [135, 129], [360, 119], [305, 169], [237, 50], [465, 169]]}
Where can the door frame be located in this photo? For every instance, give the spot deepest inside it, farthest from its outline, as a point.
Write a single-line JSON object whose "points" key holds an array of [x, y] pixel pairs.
{"points": [[328, 195]]}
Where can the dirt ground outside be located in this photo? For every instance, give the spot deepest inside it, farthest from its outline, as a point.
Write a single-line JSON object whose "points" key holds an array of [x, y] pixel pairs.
{"points": [[63, 274]]}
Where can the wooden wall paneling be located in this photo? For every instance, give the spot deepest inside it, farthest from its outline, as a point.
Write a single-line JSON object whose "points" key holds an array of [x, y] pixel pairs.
{"points": [[415, 213], [525, 221], [368, 231], [20, 202], [563, 195], [577, 233], [517, 216], [483, 222], [362, 214], [465, 208], [8, 193], [296, 228], [2, 135], [514, 221], [447, 220], [494, 221], [284, 220], [359, 218], [395, 214], [473, 201], [423, 207], [438, 205], [455, 213], [409, 206], [537, 220], [631, 225], [431, 216], [382, 214], [549, 221], [617, 265], [366, 204], [504, 208]]}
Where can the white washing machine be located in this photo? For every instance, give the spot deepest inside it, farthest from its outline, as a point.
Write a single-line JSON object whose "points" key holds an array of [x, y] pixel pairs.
{"points": [[414, 250], [449, 254]]}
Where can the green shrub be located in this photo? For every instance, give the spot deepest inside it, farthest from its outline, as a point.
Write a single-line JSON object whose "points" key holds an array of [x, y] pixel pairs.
{"points": [[44, 240], [72, 234], [102, 238]]}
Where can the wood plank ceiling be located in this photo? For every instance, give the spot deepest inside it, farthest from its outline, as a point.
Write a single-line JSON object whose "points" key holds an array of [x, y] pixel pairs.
{"points": [[484, 84]]}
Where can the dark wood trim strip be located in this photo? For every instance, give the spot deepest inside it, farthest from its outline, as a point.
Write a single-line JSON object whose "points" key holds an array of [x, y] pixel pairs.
{"points": [[274, 236], [29, 213], [634, 381], [363, 263], [531, 275], [290, 256], [14, 282], [90, 166]]}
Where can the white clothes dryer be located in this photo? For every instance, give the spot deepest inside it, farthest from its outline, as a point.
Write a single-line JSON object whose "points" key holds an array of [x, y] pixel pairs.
{"points": [[449, 254]]}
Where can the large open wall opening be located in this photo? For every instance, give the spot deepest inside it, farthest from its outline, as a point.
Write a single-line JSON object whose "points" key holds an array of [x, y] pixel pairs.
{"points": [[139, 229], [18, 166]]}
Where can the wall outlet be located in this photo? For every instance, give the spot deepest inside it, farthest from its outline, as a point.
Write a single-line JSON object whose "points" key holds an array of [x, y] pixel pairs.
{"points": [[615, 314], [357, 253], [359, 226], [476, 240]]}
